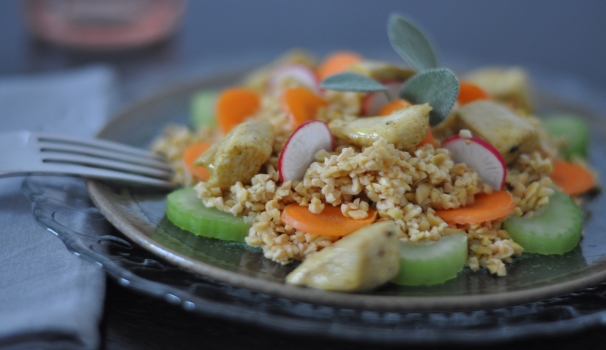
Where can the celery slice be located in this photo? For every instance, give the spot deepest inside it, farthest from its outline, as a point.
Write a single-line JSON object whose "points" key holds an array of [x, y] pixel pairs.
{"points": [[430, 263], [186, 211], [573, 130], [202, 112], [554, 229]]}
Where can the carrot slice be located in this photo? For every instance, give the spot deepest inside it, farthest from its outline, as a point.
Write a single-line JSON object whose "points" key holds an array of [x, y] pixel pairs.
{"points": [[393, 106], [429, 139], [330, 222], [571, 178], [189, 157], [469, 92], [337, 62], [301, 104], [486, 207], [234, 105]]}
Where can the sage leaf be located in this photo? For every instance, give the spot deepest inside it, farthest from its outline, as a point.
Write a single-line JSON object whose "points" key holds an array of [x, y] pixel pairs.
{"points": [[439, 87], [411, 44], [352, 82]]}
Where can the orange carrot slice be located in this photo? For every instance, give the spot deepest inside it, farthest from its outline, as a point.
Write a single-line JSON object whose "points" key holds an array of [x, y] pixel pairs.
{"points": [[301, 104], [469, 92], [429, 139], [337, 62], [393, 106], [486, 207], [189, 157], [571, 178], [234, 105], [330, 222]]}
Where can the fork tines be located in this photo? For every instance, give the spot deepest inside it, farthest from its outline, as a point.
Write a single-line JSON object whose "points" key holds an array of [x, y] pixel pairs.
{"points": [[101, 154]]}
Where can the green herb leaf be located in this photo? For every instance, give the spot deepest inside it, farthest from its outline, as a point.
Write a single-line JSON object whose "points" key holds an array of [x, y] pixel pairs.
{"points": [[438, 87], [411, 44], [352, 82]]}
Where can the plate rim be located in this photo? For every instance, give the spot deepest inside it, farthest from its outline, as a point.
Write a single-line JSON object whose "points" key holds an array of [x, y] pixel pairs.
{"points": [[567, 315]]}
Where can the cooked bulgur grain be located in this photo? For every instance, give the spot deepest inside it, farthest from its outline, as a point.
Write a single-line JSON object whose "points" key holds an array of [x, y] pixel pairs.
{"points": [[173, 142]]}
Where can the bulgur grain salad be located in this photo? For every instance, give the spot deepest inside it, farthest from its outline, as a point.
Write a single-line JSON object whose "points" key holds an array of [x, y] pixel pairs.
{"points": [[380, 172]]}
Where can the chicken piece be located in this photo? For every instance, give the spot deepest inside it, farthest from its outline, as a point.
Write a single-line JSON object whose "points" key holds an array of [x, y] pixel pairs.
{"points": [[360, 261], [508, 85], [510, 134], [405, 128], [239, 156], [381, 71]]}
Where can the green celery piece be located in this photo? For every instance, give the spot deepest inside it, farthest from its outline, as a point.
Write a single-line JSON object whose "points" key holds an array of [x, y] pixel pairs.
{"points": [[202, 110], [186, 211], [431, 263], [572, 129], [554, 229]]}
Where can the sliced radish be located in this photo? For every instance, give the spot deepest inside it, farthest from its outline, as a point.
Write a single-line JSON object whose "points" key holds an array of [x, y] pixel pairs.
{"points": [[298, 72], [300, 149], [374, 101], [479, 155]]}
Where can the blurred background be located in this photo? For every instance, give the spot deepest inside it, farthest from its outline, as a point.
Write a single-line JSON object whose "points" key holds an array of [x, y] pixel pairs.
{"points": [[558, 37]]}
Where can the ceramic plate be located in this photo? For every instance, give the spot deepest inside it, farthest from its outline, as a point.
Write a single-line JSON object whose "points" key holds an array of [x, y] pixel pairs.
{"points": [[138, 212]]}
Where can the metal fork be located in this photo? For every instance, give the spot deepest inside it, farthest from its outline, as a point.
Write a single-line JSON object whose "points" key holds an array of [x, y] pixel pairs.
{"points": [[26, 152]]}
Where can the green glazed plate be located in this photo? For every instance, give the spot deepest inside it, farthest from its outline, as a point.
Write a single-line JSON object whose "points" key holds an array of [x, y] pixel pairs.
{"points": [[138, 212]]}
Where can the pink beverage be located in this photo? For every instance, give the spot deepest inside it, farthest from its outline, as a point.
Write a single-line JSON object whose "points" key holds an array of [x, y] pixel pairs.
{"points": [[103, 25]]}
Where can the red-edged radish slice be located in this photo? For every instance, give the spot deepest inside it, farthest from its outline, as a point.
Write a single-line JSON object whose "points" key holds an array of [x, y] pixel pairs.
{"points": [[300, 149], [374, 101], [479, 155], [298, 72]]}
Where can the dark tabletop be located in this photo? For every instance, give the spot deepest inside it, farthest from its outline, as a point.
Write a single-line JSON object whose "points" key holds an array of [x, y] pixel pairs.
{"points": [[561, 38], [133, 321]]}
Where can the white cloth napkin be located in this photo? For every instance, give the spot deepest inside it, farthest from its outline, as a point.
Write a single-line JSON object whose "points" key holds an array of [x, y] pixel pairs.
{"points": [[49, 298]]}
